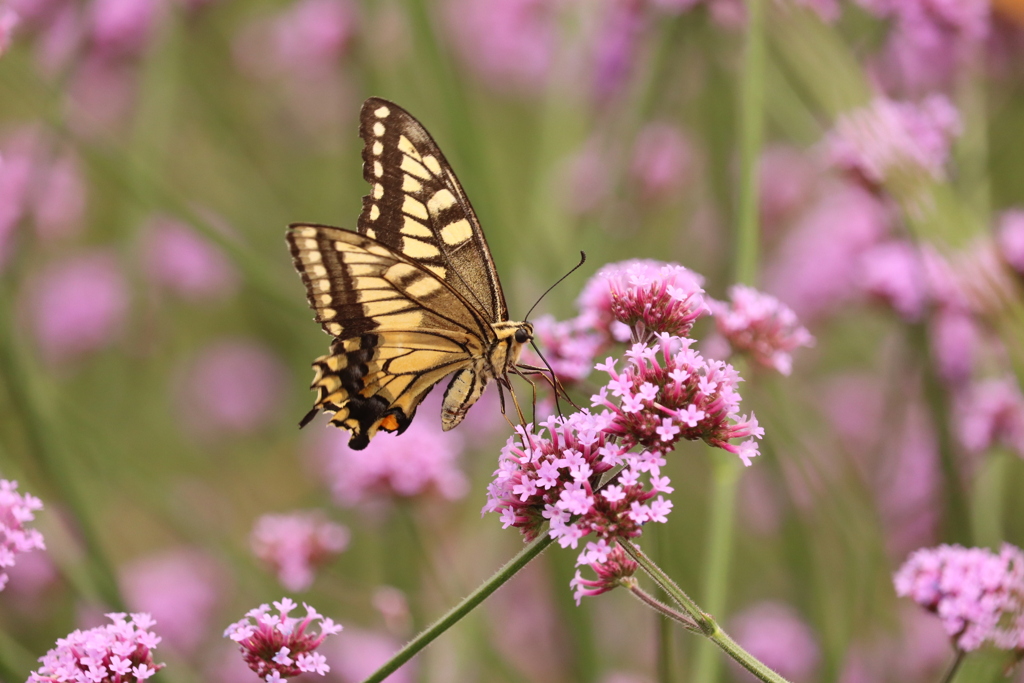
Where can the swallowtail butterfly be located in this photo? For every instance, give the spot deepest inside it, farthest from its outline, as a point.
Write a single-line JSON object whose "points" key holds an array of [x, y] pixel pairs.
{"points": [[410, 298]]}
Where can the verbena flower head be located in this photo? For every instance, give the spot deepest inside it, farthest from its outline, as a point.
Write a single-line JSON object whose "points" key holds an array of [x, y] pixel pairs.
{"points": [[894, 273], [668, 392], [663, 161], [223, 371], [178, 259], [180, 589], [16, 510], [78, 304], [9, 20], [816, 268], [761, 326], [278, 646], [978, 594], [295, 544], [641, 298], [777, 636], [1010, 236], [611, 567], [423, 461], [117, 652], [991, 413], [889, 138]]}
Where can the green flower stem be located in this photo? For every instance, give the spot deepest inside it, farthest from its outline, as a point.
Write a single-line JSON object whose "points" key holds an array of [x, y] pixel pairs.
{"points": [[957, 661], [534, 548], [53, 460], [751, 132], [675, 615], [702, 621]]}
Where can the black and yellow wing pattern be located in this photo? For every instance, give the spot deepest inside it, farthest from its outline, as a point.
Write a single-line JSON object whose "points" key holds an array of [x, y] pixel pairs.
{"points": [[410, 298]]}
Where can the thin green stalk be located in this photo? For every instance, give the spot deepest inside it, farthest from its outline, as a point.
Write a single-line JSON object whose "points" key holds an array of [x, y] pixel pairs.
{"points": [[957, 661], [703, 620], [54, 460], [747, 253], [450, 618], [750, 136]]}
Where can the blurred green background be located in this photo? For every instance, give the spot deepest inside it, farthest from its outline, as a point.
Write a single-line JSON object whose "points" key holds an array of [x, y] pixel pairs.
{"points": [[151, 397]]}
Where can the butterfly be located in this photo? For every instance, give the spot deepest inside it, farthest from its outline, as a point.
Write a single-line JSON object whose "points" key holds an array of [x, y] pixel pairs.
{"points": [[411, 297]]}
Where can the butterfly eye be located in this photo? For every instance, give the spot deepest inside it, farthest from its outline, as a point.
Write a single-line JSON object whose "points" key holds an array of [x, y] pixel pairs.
{"points": [[522, 336]]}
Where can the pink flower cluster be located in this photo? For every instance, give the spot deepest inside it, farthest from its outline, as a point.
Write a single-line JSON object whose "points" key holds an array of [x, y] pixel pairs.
{"points": [[978, 594], [610, 565], [991, 412], [680, 395], [642, 297], [277, 646], [930, 38], [295, 544], [888, 136], [115, 653], [16, 509], [761, 326]]}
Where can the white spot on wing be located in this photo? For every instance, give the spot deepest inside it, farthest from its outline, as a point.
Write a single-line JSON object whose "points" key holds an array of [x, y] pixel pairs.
{"points": [[374, 212], [457, 232], [378, 170], [414, 208], [431, 163], [377, 148], [418, 249], [378, 190], [381, 112], [410, 184], [441, 200], [378, 129], [407, 147]]}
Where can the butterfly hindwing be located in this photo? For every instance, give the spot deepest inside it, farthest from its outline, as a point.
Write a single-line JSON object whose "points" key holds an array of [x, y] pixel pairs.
{"points": [[417, 207], [398, 328]]}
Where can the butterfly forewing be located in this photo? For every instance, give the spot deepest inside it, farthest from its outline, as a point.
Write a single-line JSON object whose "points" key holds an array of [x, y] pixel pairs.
{"points": [[417, 207], [398, 328]]}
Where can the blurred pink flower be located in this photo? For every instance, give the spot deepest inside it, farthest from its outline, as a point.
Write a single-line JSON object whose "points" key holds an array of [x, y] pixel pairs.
{"points": [[1010, 236], [104, 654], [181, 589], [991, 413], [584, 178], [16, 509], [775, 634], [8, 21], [505, 42], [663, 161], [295, 544], [616, 45], [77, 304], [760, 326], [356, 654], [930, 38], [907, 483], [312, 35], [788, 178], [568, 345], [101, 95], [122, 28], [893, 272], [887, 136], [59, 200], [421, 461], [180, 259], [816, 267], [28, 580], [234, 385], [954, 336], [978, 594], [277, 646]]}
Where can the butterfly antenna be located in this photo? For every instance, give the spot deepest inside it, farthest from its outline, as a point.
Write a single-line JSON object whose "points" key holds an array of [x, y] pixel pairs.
{"points": [[583, 259]]}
